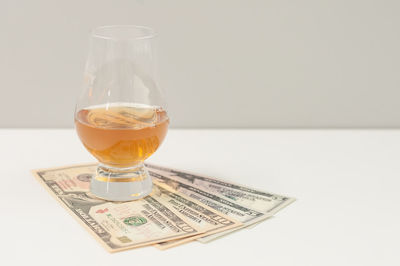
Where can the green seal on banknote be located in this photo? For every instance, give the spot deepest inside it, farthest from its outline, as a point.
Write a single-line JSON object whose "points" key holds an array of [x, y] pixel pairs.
{"points": [[135, 220]]}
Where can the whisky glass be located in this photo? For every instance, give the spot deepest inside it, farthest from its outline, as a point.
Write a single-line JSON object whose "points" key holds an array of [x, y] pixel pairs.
{"points": [[121, 115]]}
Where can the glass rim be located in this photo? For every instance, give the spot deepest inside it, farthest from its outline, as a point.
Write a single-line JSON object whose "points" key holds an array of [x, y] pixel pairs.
{"points": [[149, 32]]}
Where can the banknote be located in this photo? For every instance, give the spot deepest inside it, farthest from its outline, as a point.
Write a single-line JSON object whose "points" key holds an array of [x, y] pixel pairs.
{"points": [[203, 216], [240, 213], [119, 226], [248, 197], [265, 202], [182, 207]]}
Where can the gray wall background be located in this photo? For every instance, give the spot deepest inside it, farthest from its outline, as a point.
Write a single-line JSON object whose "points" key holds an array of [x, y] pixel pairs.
{"points": [[225, 63]]}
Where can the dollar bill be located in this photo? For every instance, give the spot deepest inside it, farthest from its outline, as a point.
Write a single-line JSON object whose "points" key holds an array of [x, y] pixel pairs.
{"points": [[119, 226], [251, 198], [265, 202], [240, 213], [203, 216]]}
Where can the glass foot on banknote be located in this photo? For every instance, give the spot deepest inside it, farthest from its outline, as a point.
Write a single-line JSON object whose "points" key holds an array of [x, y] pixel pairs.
{"points": [[121, 184]]}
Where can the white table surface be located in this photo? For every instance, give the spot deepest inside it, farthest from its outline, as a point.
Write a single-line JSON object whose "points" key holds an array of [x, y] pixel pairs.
{"points": [[347, 186]]}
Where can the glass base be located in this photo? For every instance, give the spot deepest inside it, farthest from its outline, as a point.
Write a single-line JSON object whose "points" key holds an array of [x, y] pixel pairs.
{"points": [[121, 184]]}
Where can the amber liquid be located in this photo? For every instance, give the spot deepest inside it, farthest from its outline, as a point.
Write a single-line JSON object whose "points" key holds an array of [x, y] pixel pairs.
{"points": [[122, 135]]}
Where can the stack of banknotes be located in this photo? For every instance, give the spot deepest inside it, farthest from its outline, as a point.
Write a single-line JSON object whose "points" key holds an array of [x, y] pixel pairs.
{"points": [[182, 207]]}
